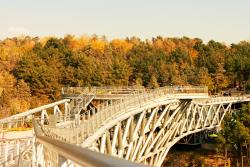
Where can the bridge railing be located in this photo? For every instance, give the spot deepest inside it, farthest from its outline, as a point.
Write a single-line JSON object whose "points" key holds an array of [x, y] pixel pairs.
{"points": [[77, 134], [132, 90], [228, 99], [67, 91], [59, 153], [150, 94], [11, 148], [81, 101], [90, 124], [25, 118]]}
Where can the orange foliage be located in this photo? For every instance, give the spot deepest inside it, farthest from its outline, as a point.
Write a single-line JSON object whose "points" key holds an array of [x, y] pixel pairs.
{"points": [[121, 45]]}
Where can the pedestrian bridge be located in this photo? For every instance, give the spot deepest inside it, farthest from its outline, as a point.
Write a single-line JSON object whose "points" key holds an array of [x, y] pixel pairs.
{"points": [[125, 126]]}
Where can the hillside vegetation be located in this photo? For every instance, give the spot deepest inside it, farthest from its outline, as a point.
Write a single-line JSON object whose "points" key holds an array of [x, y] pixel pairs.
{"points": [[33, 70]]}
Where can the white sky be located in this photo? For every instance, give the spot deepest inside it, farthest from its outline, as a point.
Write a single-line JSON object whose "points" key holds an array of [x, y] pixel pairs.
{"points": [[220, 20]]}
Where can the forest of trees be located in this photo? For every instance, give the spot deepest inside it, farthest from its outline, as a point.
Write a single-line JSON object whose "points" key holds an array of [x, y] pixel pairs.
{"points": [[235, 136], [33, 70]]}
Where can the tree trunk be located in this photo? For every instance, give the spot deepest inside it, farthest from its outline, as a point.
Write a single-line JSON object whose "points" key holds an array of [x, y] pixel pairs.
{"points": [[225, 151]]}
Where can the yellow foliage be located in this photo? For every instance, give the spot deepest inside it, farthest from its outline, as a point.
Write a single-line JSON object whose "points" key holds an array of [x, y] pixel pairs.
{"points": [[169, 45], [158, 43], [98, 45], [78, 43], [44, 40], [7, 80], [83, 41], [1, 91], [19, 105], [121, 45], [9, 42], [28, 45]]}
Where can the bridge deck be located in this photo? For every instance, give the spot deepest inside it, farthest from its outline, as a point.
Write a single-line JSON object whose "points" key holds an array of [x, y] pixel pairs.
{"points": [[97, 123]]}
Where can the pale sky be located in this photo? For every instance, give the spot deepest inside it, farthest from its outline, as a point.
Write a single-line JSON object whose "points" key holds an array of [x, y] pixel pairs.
{"points": [[221, 20]]}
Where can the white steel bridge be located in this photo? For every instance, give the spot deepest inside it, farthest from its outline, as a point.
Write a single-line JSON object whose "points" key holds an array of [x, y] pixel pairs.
{"points": [[129, 126]]}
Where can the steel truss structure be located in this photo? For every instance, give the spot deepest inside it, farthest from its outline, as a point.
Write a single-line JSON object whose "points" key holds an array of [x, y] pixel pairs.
{"points": [[146, 134], [141, 128]]}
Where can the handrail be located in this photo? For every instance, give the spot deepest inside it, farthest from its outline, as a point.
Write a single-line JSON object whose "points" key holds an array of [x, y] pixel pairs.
{"points": [[89, 125], [32, 111], [11, 148], [81, 101], [79, 155], [168, 90], [101, 90], [83, 156], [222, 99]]}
